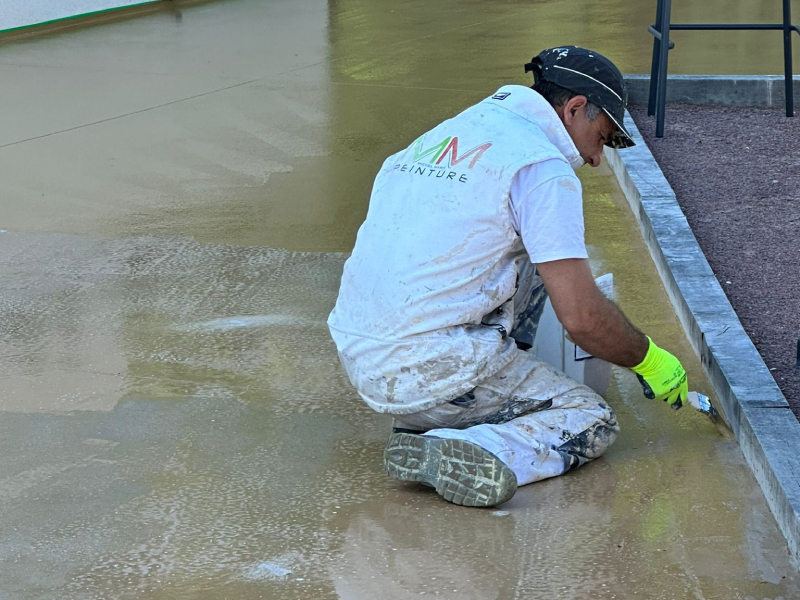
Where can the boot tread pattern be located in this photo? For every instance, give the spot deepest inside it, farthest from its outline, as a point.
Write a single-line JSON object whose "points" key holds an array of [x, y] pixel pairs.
{"points": [[461, 472]]}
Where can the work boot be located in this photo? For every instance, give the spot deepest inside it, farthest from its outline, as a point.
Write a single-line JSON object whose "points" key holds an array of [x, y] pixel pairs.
{"points": [[461, 472]]}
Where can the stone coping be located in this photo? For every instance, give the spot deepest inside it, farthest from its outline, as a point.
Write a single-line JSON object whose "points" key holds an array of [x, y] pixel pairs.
{"points": [[742, 90], [751, 402]]}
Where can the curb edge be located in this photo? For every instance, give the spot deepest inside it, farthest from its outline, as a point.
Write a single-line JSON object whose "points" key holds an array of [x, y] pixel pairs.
{"points": [[758, 413]]}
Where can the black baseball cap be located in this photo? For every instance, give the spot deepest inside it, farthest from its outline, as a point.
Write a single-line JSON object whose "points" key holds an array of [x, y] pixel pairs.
{"points": [[589, 74]]}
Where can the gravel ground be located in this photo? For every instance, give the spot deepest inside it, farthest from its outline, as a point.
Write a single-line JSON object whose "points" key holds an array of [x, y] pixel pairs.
{"points": [[736, 174]]}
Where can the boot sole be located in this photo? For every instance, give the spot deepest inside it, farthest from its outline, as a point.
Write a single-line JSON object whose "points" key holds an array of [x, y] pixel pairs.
{"points": [[461, 472]]}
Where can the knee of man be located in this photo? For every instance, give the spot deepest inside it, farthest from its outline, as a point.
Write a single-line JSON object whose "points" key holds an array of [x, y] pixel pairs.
{"points": [[602, 437], [593, 442]]}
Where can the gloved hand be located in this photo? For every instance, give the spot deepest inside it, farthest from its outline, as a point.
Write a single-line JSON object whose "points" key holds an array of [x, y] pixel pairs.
{"points": [[662, 376]]}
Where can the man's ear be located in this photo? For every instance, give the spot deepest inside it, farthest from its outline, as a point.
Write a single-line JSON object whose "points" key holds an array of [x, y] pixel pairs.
{"points": [[572, 107]]}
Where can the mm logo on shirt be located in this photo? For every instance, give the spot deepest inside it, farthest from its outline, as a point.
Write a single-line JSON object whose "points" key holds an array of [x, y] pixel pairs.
{"points": [[447, 149]]}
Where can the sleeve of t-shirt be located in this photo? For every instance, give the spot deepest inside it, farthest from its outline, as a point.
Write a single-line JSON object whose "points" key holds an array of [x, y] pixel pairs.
{"points": [[546, 206]]}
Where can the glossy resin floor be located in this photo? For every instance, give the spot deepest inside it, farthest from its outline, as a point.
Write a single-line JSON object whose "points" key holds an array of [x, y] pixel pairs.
{"points": [[178, 198]]}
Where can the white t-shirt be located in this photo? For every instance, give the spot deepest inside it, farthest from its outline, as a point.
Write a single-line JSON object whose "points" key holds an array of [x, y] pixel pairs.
{"points": [[436, 263], [547, 211]]}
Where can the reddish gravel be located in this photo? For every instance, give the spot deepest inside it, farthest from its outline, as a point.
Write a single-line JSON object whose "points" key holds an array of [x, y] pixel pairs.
{"points": [[736, 174]]}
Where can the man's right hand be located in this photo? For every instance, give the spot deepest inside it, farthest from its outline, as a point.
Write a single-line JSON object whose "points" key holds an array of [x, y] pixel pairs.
{"points": [[662, 376]]}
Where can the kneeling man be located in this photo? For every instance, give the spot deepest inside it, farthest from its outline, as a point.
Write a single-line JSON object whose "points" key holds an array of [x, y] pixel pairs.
{"points": [[469, 229]]}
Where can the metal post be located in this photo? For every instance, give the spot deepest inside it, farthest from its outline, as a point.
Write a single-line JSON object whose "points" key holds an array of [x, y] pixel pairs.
{"points": [[661, 101], [662, 45], [651, 103], [787, 57]]}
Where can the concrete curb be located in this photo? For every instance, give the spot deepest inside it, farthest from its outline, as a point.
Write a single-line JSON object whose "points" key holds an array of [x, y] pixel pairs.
{"points": [[746, 90], [752, 403]]}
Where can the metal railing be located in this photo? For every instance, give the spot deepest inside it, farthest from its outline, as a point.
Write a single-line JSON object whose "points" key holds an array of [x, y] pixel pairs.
{"points": [[662, 45]]}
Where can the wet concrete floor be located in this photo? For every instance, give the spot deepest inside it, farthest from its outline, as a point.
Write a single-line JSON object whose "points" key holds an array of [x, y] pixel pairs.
{"points": [[177, 202]]}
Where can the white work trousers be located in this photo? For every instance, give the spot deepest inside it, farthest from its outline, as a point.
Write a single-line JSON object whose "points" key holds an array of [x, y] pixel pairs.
{"points": [[534, 418]]}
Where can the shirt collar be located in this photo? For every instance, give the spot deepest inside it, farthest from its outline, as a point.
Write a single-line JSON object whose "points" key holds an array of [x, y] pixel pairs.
{"points": [[530, 105]]}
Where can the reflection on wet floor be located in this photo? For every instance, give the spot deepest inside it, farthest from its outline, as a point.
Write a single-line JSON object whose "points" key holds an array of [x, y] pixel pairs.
{"points": [[239, 461], [174, 421]]}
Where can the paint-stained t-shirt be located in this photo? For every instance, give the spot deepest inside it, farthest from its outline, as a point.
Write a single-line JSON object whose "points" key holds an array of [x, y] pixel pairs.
{"points": [[426, 299], [547, 211]]}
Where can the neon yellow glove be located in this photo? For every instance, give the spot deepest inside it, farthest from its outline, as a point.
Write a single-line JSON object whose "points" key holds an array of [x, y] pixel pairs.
{"points": [[662, 377]]}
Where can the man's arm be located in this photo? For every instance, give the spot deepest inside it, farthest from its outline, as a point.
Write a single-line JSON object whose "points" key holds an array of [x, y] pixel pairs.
{"points": [[593, 322], [599, 327]]}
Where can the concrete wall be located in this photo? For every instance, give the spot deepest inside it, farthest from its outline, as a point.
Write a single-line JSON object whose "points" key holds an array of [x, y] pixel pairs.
{"points": [[742, 90], [24, 13]]}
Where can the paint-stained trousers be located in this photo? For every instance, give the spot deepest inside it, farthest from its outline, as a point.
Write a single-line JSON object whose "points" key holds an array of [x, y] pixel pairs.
{"points": [[534, 418]]}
